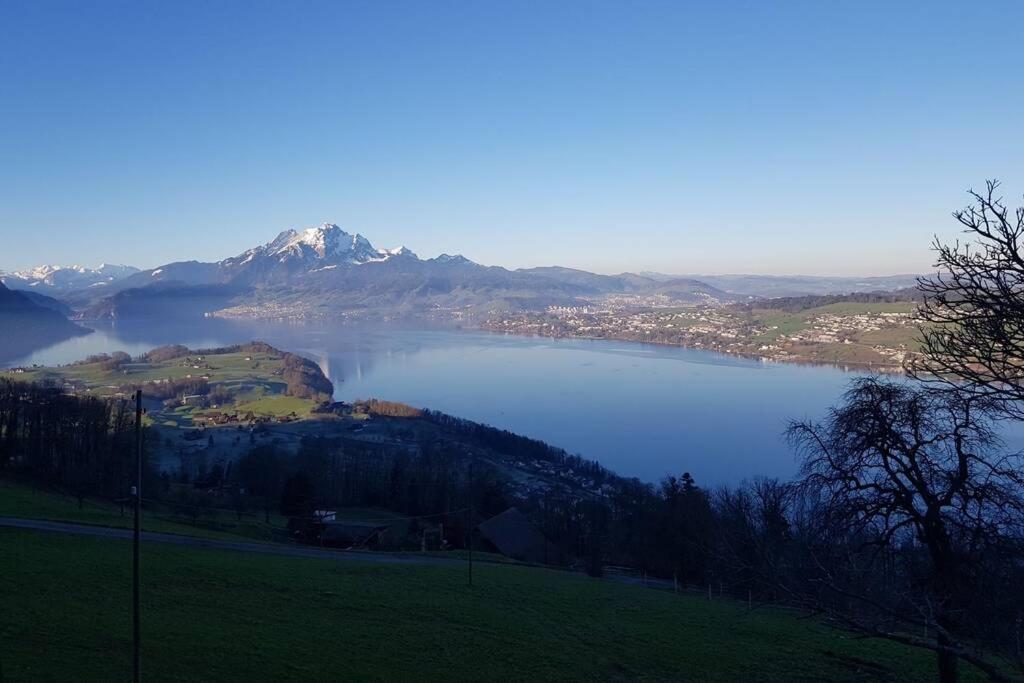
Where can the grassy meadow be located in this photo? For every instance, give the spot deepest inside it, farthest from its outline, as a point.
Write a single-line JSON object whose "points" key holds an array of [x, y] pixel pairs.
{"points": [[221, 616]]}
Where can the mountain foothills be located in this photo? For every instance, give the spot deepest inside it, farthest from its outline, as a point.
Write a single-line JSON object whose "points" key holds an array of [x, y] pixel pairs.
{"points": [[29, 320]]}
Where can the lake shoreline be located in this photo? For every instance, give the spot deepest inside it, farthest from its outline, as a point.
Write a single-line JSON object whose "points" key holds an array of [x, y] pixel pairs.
{"points": [[850, 366]]}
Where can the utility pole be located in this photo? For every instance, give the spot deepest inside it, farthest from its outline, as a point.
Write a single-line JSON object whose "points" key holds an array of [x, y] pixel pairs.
{"points": [[137, 491], [469, 526]]}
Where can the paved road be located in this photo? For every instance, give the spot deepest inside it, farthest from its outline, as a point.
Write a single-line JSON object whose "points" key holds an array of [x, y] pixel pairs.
{"points": [[276, 548], [212, 544]]}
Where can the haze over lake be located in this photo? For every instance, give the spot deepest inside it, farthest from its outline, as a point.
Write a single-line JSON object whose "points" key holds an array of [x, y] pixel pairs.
{"points": [[640, 410]]}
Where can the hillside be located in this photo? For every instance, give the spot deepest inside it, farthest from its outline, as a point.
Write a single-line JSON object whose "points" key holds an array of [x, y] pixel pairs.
{"points": [[26, 325], [215, 615], [254, 374], [201, 403]]}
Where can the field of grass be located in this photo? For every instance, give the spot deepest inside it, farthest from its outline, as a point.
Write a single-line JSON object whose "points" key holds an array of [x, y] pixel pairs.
{"points": [[276, 406], [23, 501], [223, 368], [220, 616], [250, 377], [778, 322], [19, 500], [783, 323], [855, 308], [892, 337]]}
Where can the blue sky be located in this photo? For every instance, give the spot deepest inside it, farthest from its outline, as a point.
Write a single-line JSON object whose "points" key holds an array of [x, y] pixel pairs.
{"points": [[802, 137]]}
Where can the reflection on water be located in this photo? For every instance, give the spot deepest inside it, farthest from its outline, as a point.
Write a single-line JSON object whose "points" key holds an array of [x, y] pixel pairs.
{"points": [[640, 410]]}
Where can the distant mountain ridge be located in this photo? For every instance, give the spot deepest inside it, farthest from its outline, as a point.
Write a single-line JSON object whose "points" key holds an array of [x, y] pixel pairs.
{"points": [[772, 286], [52, 279], [324, 272]]}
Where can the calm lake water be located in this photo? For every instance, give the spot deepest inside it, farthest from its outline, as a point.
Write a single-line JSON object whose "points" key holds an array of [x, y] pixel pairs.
{"points": [[640, 410]]}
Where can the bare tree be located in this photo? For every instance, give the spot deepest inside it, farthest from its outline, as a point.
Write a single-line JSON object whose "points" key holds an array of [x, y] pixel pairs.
{"points": [[915, 513], [973, 310]]}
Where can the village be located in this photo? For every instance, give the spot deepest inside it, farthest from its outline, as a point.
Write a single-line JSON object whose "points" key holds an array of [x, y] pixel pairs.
{"points": [[849, 335]]}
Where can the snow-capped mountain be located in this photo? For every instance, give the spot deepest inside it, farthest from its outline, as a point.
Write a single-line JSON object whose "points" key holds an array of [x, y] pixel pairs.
{"points": [[325, 271], [318, 247], [58, 279]]}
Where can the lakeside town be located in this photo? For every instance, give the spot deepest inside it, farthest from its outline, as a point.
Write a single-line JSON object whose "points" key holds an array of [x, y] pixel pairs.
{"points": [[878, 335]]}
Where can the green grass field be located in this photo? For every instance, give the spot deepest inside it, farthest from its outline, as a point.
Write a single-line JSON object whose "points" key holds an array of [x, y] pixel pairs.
{"points": [[220, 616], [783, 323], [778, 323], [249, 377], [855, 308], [18, 500], [224, 367], [276, 406], [22, 501]]}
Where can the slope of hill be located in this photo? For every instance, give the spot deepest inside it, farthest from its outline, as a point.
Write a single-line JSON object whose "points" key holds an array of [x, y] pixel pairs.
{"points": [[26, 326], [218, 615], [47, 302]]}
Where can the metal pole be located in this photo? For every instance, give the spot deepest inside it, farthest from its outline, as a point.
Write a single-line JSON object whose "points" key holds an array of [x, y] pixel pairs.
{"points": [[470, 525], [136, 631]]}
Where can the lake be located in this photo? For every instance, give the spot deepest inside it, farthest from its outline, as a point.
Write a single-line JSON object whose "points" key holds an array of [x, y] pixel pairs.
{"points": [[640, 410]]}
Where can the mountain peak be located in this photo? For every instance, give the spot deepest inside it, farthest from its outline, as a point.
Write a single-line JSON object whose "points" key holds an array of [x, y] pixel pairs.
{"points": [[396, 251], [67, 278], [327, 241], [326, 245], [451, 258]]}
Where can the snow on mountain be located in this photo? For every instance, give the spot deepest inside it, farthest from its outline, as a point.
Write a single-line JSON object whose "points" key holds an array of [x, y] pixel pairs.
{"points": [[451, 259], [58, 278], [397, 251], [316, 248]]}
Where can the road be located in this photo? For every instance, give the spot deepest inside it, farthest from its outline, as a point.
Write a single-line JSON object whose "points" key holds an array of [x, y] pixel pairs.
{"points": [[212, 544], [274, 548]]}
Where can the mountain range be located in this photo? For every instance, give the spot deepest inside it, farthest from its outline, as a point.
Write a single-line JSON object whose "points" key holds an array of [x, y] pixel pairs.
{"points": [[65, 279], [326, 272]]}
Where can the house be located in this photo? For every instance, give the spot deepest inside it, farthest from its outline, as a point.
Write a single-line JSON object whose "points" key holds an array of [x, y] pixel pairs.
{"points": [[511, 534], [193, 400]]}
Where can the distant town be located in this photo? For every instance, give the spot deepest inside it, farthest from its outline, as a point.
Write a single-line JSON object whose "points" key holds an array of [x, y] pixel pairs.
{"points": [[875, 334]]}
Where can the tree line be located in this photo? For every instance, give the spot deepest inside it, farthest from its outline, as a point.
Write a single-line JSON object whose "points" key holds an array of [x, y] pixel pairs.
{"points": [[84, 446]]}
